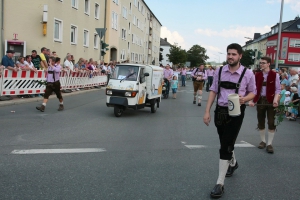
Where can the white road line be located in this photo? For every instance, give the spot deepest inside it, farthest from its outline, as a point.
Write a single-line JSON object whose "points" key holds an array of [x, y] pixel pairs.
{"points": [[195, 146], [183, 142], [244, 144], [52, 151]]}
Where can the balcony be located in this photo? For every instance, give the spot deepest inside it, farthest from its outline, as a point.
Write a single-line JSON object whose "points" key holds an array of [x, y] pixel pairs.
{"points": [[150, 38], [150, 25], [149, 52]]}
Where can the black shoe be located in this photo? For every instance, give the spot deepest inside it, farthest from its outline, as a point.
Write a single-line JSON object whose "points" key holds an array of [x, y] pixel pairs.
{"points": [[194, 102], [231, 169], [217, 192], [199, 104]]}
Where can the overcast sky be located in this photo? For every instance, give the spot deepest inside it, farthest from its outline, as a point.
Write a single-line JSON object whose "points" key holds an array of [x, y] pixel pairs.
{"points": [[214, 24]]}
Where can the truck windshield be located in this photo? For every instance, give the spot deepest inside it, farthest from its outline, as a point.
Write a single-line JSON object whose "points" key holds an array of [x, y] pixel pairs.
{"points": [[125, 72]]}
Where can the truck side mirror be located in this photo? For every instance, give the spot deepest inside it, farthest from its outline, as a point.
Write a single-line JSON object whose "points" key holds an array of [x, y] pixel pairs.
{"points": [[146, 74]]}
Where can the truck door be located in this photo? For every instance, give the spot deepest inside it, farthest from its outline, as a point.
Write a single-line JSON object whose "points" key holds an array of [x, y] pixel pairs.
{"points": [[142, 86]]}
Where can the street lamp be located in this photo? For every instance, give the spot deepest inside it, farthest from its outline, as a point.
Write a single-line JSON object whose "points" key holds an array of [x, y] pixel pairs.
{"points": [[279, 36], [218, 56]]}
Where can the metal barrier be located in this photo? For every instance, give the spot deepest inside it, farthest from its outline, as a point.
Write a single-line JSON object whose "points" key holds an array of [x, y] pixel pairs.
{"points": [[28, 82]]}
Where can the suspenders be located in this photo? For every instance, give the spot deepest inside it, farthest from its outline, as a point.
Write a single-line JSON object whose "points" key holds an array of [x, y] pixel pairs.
{"points": [[229, 85]]}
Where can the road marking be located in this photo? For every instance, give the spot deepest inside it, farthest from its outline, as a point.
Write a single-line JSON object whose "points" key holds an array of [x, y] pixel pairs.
{"points": [[183, 142], [244, 144], [195, 146], [52, 151]]}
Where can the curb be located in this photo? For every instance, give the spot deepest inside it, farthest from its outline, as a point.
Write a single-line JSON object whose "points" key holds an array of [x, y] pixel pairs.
{"points": [[38, 99]]}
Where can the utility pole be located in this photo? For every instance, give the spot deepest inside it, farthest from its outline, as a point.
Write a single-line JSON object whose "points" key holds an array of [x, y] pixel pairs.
{"points": [[279, 35]]}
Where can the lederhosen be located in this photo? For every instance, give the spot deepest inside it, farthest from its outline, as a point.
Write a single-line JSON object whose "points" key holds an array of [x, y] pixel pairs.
{"points": [[228, 127], [198, 85], [53, 87]]}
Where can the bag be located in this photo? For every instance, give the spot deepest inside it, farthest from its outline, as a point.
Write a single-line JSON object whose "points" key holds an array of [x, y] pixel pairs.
{"points": [[194, 79]]}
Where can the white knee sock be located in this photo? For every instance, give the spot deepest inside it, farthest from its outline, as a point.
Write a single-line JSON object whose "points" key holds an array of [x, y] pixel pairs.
{"points": [[262, 135], [233, 160], [223, 167], [270, 137]]}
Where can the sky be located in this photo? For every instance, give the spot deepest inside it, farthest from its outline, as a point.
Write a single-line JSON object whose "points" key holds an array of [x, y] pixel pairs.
{"points": [[214, 24]]}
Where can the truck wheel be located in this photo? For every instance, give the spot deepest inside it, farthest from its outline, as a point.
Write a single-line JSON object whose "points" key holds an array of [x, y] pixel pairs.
{"points": [[154, 107], [118, 111]]}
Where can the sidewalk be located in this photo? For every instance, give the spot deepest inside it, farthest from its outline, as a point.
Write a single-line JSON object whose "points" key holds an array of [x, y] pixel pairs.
{"points": [[17, 100]]}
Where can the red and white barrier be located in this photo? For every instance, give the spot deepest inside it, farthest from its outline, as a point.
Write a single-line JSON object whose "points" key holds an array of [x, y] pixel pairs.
{"points": [[26, 82]]}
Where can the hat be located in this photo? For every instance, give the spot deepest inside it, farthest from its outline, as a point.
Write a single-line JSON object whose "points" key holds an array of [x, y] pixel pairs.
{"points": [[294, 89], [10, 51], [287, 92]]}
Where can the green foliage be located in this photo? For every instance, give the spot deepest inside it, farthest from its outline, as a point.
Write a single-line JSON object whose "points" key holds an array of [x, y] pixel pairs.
{"points": [[247, 58], [177, 55], [280, 112], [197, 55], [224, 63]]}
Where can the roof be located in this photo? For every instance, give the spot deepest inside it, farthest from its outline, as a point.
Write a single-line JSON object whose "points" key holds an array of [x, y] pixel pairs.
{"points": [[152, 12], [163, 42], [294, 27]]}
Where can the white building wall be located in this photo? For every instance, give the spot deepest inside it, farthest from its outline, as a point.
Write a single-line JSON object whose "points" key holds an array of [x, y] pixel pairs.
{"points": [[166, 50]]}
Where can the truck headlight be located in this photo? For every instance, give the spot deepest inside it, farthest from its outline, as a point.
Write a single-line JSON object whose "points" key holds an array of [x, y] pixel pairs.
{"points": [[109, 92], [130, 94]]}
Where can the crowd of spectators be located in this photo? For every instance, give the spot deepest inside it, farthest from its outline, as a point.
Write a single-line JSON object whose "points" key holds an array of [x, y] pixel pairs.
{"points": [[35, 62]]}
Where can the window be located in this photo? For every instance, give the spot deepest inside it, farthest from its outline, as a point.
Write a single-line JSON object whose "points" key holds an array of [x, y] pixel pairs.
{"points": [[132, 57], [87, 7], [86, 38], [134, 20], [123, 34], [123, 53], [135, 3], [114, 20], [60, 0], [96, 41], [139, 6], [97, 11], [124, 12], [74, 4], [73, 34], [132, 38], [116, 1], [295, 57], [138, 23], [294, 42], [57, 30]]}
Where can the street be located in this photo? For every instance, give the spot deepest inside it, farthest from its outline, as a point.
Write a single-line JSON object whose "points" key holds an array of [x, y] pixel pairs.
{"points": [[170, 154]]}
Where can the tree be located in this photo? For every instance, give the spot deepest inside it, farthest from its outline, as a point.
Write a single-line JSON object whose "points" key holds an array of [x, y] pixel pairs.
{"points": [[160, 54], [177, 55], [197, 55], [224, 63], [248, 58]]}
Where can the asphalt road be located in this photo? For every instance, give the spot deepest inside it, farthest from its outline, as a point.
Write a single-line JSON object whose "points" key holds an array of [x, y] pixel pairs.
{"points": [[141, 155]]}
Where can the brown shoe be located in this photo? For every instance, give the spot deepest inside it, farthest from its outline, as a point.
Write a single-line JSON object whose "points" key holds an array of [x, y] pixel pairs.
{"points": [[41, 108], [61, 107], [270, 149], [262, 145]]}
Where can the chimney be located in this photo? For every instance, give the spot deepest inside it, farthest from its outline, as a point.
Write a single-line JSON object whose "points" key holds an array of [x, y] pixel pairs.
{"points": [[166, 40]]}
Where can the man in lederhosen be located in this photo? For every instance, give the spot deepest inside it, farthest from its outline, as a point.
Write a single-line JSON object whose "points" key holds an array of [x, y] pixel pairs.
{"points": [[229, 79], [199, 76], [53, 84], [268, 90]]}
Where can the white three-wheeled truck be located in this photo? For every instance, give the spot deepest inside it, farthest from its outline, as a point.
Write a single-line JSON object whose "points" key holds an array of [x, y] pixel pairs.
{"points": [[134, 86]]}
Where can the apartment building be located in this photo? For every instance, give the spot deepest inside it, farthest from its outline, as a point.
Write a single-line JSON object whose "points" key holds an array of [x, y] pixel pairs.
{"points": [[64, 26], [133, 32]]}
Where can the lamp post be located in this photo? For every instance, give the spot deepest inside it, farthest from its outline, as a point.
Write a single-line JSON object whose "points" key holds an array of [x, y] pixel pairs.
{"points": [[218, 56], [279, 35]]}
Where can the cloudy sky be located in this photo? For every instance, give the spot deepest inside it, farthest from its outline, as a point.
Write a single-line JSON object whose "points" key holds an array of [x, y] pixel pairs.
{"points": [[214, 24]]}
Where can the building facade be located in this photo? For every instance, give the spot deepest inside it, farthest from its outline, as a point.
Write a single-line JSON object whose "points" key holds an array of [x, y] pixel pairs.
{"points": [[166, 46], [266, 44], [132, 32], [64, 26]]}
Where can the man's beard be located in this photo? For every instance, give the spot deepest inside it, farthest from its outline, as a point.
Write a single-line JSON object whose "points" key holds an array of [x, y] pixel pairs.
{"points": [[234, 63]]}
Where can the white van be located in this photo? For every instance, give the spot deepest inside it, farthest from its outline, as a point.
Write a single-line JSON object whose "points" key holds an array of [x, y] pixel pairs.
{"points": [[134, 86]]}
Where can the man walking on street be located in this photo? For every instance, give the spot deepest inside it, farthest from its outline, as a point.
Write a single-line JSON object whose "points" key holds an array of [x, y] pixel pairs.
{"points": [[199, 76], [210, 77], [168, 74], [229, 79], [268, 90], [53, 84]]}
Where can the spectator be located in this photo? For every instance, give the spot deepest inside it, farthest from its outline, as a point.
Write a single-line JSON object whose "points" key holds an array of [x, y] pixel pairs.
{"points": [[295, 100], [20, 63], [44, 62], [54, 54], [282, 95], [47, 55], [68, 64], [293, 80], [284, 79], [29, 64], [36, 59], [287, 101], [7, 61]]}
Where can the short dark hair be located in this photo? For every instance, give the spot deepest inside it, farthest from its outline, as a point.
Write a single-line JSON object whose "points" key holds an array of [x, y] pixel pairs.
{"points": [[57, 59], [33, 51], [43, 49], [236, 47], [28, 56], [268, 59]]}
